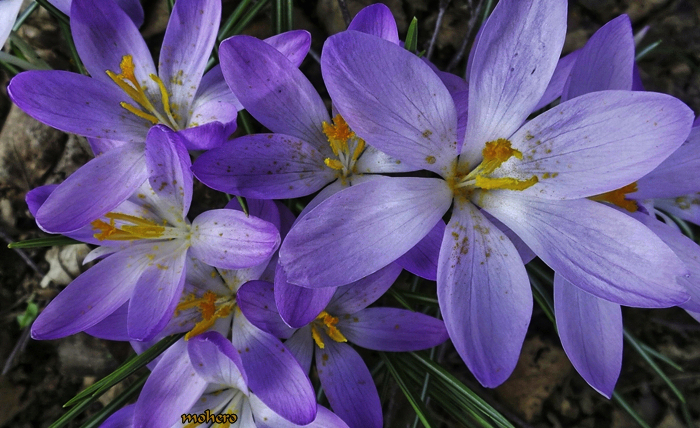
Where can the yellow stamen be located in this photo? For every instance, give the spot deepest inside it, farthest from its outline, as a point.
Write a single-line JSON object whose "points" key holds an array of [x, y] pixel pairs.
{"points": [[507, 183], [338, 134], [495, 153], [143, 229], [334, 164], [164, 97], [317, 337], [617, 197], [207, 306], [359, 148], [142, 114], [327, 322]]}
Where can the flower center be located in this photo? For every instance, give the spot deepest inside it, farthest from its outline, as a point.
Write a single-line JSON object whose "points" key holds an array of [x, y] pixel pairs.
{"points": [[139, 228], [210, 306], [126, 80], [494, 154], [327, 323], [346, 146], [619, 197]]}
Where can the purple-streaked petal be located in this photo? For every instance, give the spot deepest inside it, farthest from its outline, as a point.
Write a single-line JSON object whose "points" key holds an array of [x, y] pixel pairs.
{"points": [[598, 248], [93, 295], [263, 209], [265, 166], [273, 373], [298, 305], [273, 91], [171, 389], [267, 418], [452, 82], [484, 295], [158, 291], [596, 143], [590, 330], [376, 20], [461, 100], [132, 8], [216, 360], [361, 229], [77, 104], [213, 88], [525, 252], [605, 62], [169, 173], [292, 44], [122, 418], [348, 385], [103, 35], [212, 134], [391, 99], [374, 161], [301, 345], [8, 14], [101, 145], [558, 80], [356, 296], [189, 40], [393, 330], [94, 189], [513, 61], [422, 259], [113, 327], [36, 197], [257, 302], [228, 239]]}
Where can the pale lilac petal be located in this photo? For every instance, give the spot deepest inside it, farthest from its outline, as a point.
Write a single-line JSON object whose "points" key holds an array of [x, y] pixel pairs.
{"points": [[77, 104], [113, 327], [122, 418], [101, 145], [601, 250], [293, 44], [558, 80], [216, 360], [348, 385], [356, 296], [267, 418], [361, 229], [228, 239], [261, 208], [513, 61], [213, 133], [391, 99], [375, 161], [422, 259], [484, 295], [189, 40], [392, 329], [169, 173], [298, 305], [275, 92], [103, 35], [265, 166], [461, 100], [590, 330], [273, 373], [171, 389], [596, 143], [301, 345], [214, 89], [605, 62], [8, 14], [452, 82], [93, 295], [257, 302], [94, 189], [158, 291], [376, 20], [132, 8], [525, 252]]}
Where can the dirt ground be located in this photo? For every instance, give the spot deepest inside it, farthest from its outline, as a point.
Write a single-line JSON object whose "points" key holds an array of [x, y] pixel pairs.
{"points": [[544, 391]]}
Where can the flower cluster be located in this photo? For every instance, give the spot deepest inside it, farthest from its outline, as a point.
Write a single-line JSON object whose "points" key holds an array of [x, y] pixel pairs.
{"points": [[458, 181]]}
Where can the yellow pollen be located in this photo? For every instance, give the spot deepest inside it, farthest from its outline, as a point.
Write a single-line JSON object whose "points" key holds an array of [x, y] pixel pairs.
{"points": [[507, 183], [327, 322], [346, 146], [141, 229], [618, 197], [333, 164], [497, 152], [338, 134], [207, 307]]}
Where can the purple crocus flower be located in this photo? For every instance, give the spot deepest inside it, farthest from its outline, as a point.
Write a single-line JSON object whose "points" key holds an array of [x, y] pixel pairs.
{"points": [[345, 378], [531, 176], [148, 238]]}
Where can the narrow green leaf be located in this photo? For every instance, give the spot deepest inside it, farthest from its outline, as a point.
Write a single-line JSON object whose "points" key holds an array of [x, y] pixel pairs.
{"points": [[622, 403], [240, 26], [60, 16], [65, 29], [171, 4], [24, 15], [247, 121], [232, 19], [399, 298], [416, 404], [244, 206], [288, 22], [543, 299], [28, 316], [49, 241], [487, 11], [115, 404], [418, 297], [642, 53], [411, 44], [660, 356]]}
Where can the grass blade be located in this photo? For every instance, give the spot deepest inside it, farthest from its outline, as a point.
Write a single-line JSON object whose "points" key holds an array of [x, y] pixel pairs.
{"points": [[411, 44], [416, 404], [49, 241]]}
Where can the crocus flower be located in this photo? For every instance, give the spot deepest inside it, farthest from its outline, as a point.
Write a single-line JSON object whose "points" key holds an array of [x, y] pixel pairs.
{"points": [[531, 176], [345, 378], [8, 14], [148, 239], [132, 8]]}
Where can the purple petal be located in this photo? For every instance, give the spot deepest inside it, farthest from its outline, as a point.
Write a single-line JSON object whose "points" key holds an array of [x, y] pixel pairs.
{"points": [[257, 302], [598, 248], [189, 40], [213, 90], [77, 104], [36, 197], [596, 143], [558, 80], [113, 327], [275, 92], [261, 208], [484, 295], [393, 330], [375, 161], [301, 345], [292, 44], [356, 296], [297, 305], [101, 145], [122, 418], [265, 166], [685, 207], [267, 418], [274, 375], [228, 239], [171, 389], [361, 229], [590, 330], [525, 252], [348, 385], [377, 20], [422, 259], [512, 64], [605, 62], [391, 99], [212, 134], [8, 11], [216, 360], [169, 172], [131, 7]]}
